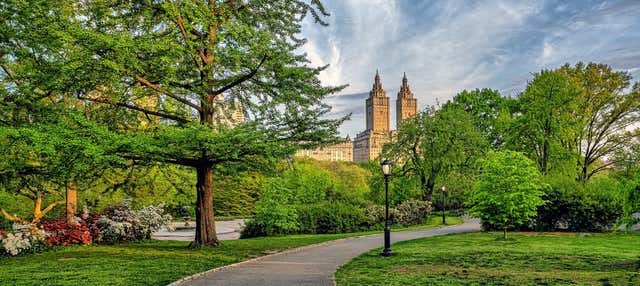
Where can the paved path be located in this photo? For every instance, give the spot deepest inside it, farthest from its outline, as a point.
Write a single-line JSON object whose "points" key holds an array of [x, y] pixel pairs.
{"points": [[314, 265], [225, 229]]}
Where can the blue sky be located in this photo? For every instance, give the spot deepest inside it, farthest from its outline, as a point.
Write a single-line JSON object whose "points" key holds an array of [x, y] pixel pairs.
{"points": [[447, 46]]}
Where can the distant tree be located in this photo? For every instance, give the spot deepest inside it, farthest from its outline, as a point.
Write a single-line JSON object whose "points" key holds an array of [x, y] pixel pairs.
{"points": [[489, 111], [432, 144], [607, 105], [508, 191], [546, 119]]}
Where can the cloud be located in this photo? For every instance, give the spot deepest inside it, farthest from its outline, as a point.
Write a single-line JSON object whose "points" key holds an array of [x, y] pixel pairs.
{"points": [[447, 46]]}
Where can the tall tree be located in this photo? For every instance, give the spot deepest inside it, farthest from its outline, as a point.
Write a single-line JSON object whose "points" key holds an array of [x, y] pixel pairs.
{"points": [[546, 119], [190, 64], [432, 144], [606, 106], [489, 111], [34, 91]]}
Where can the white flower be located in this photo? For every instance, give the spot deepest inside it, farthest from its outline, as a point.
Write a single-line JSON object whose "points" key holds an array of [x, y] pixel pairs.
{"points": [[16, 243]]}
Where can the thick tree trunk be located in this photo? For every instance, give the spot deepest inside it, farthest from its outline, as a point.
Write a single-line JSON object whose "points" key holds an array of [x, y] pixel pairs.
{"points": [[205, 222], [428, 185], [72, 202]]}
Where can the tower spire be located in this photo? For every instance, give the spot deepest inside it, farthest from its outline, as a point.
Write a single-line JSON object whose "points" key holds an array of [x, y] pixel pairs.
{"points": [[405, 91], [377, 85]]}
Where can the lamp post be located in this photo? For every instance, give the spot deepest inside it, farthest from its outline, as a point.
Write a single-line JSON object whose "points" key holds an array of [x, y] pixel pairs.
{"points": [[386, 170], [444, 203]]}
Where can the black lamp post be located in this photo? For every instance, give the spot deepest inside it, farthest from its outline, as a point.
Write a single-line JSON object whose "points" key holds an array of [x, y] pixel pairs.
{"points": [[444, 203], [386, 170]]}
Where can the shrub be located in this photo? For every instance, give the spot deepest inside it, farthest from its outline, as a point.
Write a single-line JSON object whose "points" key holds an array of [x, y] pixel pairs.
{"points": [[374, 216], [24, 238], [330, 217], [413, 212], [508, 192], [122, 223], [58, 232], [575, 207]]}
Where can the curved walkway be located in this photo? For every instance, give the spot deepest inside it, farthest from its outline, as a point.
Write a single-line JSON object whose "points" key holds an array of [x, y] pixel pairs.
{"points": [[312, 265]]}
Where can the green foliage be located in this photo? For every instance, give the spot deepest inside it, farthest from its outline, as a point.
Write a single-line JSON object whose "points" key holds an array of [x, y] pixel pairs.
{"points": [[433, 144], [608, 104], [631, 206], [489, 111], [330, 217], [546, 120], [508, 192], [311, 197], [576, 207]]}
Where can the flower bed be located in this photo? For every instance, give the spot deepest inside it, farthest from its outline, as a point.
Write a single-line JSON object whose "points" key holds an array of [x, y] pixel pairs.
{"points": [[117, 224]]}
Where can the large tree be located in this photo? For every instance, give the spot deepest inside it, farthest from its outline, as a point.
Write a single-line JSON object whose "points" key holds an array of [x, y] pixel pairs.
{"points": [[433, 143], [606, 107], [489, 111], [46, 144], [545, 120], [189, 64]]}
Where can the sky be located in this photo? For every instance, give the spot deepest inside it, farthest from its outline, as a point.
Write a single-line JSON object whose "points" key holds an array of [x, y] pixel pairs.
{"points": [[448, 46]]}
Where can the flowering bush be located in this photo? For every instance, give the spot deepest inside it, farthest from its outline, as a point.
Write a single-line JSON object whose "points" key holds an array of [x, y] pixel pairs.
{"points": [[122, 223], [413, 212], [24, 238], [152, 218], [117, 224], [16, 243], [59, 232]]}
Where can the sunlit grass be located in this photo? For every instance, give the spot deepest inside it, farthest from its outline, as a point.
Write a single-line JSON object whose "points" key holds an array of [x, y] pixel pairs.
{"points": [[481, 259]]}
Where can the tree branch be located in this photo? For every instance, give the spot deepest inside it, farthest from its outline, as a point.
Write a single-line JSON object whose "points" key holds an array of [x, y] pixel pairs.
{"points": [[166, 92], [136, 108], [241, 79]]}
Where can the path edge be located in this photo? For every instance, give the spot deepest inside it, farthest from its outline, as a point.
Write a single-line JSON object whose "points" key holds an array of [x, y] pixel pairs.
{"points": [[287, 251]]}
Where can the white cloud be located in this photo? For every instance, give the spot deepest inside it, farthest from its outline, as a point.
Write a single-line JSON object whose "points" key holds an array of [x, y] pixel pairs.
{"points": [[447, 46]]}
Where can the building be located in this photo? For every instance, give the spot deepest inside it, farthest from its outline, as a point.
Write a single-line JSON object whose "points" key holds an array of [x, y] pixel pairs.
{"points": [[368, 144], [338, 152], [406, 104], [228, 112]]}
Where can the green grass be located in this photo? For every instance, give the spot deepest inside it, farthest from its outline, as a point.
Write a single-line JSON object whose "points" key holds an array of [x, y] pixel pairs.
{"points": [[148, 263], [481, 259]]}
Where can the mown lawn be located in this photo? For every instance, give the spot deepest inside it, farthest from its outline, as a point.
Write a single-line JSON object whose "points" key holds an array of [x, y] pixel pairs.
{"points": [[480, 259], [148, 263]]}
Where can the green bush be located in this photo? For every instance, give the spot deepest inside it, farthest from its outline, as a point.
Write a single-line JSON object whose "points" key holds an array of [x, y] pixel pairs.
{"points": [[508, 191], [413, 212], [575, 207], [330, 217]]}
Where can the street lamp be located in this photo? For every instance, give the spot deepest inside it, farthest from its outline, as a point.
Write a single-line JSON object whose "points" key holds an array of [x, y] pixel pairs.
{"points": [[444, 203], [386, 170]]}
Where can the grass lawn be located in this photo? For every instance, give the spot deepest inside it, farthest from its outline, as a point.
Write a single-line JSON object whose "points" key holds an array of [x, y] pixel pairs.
{"points": [[148, 263], [480, 259]]}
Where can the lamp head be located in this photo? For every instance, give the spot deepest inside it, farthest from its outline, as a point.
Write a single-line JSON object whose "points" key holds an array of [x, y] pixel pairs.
{"points": [[444, 189], [386, 167]]}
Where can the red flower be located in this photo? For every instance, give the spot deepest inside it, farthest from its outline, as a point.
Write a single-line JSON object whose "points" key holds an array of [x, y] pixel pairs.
{"points": [[61, 233]]}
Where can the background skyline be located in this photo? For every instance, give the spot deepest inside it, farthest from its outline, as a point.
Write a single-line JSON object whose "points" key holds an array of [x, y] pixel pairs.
{"points": [[447, 46]]}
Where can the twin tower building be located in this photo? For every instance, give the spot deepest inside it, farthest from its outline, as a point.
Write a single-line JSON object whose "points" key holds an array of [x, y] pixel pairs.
{"points": [[368, 144]]}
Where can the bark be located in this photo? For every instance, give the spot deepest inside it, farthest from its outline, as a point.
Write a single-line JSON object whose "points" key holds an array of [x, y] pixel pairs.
{"points": [[72, 202], [205, 222]]}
